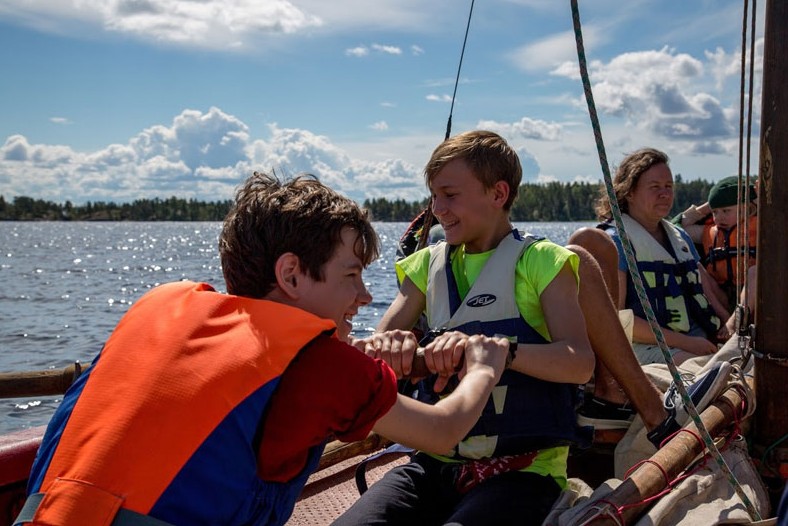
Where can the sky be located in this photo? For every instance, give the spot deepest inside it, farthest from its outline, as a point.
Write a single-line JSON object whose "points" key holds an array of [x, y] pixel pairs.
{"points": [[116, 100]]}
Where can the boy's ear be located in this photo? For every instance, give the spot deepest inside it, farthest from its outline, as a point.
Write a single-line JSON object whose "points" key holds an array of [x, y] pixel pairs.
{"points": [[500, 192], [288, 274]]}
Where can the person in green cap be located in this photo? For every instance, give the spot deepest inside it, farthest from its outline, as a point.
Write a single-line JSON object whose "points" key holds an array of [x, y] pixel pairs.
{"points": [[721, 241]]}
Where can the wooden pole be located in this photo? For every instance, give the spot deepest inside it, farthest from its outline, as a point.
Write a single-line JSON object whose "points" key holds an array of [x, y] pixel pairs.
{"points": [[50, 382], [39, 383], [771, 338], [674, 457]]}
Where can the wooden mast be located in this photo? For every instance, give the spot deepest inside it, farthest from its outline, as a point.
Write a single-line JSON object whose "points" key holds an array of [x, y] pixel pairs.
{"points": [[771, 337]]}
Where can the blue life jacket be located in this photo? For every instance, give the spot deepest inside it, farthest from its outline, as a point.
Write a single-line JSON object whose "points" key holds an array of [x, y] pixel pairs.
{"points": [[523, 413], [671, 279]]}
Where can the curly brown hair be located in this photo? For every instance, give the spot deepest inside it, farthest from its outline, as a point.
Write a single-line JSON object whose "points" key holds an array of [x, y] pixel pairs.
{"points": [[271, 217], [626, 179], [487, 154]]}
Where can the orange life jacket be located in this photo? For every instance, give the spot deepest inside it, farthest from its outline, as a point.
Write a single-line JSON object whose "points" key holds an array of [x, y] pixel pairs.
{"points": [[720, 251], [165, 422]]}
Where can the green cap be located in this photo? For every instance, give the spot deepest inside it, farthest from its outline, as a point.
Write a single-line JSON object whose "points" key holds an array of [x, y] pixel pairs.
{"points": [[725, 191]]}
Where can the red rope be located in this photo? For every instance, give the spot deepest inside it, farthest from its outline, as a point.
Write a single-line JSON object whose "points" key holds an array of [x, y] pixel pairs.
{"points": [[649, 461], [618, 517]]}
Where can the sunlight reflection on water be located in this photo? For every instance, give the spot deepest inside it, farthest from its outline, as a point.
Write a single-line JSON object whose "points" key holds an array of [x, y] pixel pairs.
{"points": [[66, 285]]}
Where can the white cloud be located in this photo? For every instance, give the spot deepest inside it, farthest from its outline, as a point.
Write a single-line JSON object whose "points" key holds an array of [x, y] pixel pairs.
{"points": [[213, 24], [438, 98], [230, 25], [389, 50], [358, 51], [416, 50], [659, 91], [59, 120], [202, 155], [379, 126], [554, 50], [525, 128]]}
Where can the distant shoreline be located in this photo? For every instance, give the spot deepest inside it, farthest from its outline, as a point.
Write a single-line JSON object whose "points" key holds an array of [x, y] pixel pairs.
{"points": [[542, 203]]}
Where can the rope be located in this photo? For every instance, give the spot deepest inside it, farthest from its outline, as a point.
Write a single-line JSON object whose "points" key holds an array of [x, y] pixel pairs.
{"points": [[459, 67], [632, 266], [428, 217], [743, 218]]}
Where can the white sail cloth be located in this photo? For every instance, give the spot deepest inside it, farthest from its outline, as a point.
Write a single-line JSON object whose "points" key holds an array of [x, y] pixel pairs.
{"points": [[705, 497]]}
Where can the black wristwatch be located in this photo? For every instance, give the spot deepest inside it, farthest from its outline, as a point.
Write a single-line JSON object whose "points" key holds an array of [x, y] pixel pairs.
{"points": [[512, 349], [512, 354]]}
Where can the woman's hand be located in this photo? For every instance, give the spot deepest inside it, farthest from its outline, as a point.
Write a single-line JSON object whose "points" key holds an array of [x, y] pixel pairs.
{"points": [[698, 345]]}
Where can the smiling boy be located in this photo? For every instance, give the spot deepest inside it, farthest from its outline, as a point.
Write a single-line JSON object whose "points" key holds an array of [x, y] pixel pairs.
{"points": [[486, 278], [209, 408]]}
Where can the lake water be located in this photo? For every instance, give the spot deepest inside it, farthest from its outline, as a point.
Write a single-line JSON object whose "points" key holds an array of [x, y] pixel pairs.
{"points": [[66, 285]]}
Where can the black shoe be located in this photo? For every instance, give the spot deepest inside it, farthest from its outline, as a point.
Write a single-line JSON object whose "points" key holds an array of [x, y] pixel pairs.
{"points": [[704, 391], [604, 415]]}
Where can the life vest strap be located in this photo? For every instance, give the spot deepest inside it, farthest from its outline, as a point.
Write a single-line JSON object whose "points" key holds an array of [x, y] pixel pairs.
{"points": [[124, 517]]}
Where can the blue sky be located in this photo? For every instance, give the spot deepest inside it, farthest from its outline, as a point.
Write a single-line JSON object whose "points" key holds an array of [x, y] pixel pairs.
{"points": [[113, 100]]}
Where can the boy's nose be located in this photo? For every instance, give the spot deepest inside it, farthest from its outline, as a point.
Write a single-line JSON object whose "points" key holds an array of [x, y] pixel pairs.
{"points": [[364, 297], [437, 206]]}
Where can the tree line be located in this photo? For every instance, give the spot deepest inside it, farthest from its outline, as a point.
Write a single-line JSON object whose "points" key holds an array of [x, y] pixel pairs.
{"points": [[535, 202], [547, 202], [24, 208]]}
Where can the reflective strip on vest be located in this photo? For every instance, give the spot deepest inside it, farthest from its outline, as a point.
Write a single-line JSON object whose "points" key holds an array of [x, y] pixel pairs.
{"points": [[511, 422], [672, 283]]}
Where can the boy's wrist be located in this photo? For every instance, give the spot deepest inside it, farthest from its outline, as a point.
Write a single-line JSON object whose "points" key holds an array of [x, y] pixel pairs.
{"points": [[512, 354]]}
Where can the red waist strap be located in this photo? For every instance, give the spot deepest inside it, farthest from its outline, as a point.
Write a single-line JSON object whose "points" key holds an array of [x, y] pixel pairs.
{"points": [[474, 472]]}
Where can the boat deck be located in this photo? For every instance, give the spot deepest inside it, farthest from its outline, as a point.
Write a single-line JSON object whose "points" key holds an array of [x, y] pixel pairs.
{"points": [[331, 491]]}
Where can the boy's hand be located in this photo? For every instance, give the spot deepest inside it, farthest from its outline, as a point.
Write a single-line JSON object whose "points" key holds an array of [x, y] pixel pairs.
{"points": [[396, 347], [445, 354], [484, 352]]}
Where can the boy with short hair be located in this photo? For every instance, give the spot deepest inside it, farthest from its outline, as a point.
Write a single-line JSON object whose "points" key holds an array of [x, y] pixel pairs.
{"points": [[209, 408], [512, 465]]}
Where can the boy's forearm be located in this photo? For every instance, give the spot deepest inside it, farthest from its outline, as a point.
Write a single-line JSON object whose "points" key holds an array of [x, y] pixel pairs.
{"points": [[693, 214], [463, 407], [438, 428], [555, 362]]}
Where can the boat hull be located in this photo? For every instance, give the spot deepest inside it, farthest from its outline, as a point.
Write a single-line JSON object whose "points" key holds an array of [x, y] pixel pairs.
{"points": [[17, 452]]}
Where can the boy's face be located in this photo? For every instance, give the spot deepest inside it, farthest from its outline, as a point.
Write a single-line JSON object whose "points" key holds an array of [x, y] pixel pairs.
{"points": [[341, 293], [466, 210], [725, 217]]}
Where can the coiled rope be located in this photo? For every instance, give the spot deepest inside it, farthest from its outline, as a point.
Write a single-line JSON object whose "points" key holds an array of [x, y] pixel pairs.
{"points": [[632, 266]]}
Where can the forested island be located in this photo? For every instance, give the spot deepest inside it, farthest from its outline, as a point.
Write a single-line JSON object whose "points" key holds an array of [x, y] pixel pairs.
{"points": [[536, 202]]}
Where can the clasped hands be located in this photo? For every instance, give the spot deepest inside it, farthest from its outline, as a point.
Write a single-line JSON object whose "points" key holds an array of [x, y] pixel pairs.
{"points": [[451, 352]]}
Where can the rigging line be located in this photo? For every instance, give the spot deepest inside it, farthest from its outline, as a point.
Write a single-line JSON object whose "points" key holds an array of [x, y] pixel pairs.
{"points": [[428, 217], [743, 194], [737, 279], [638, 282], [746, 233], [459, 68]]}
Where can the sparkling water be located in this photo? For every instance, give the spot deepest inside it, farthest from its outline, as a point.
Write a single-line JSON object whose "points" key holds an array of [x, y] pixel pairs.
{"points": [[65, 286]]}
